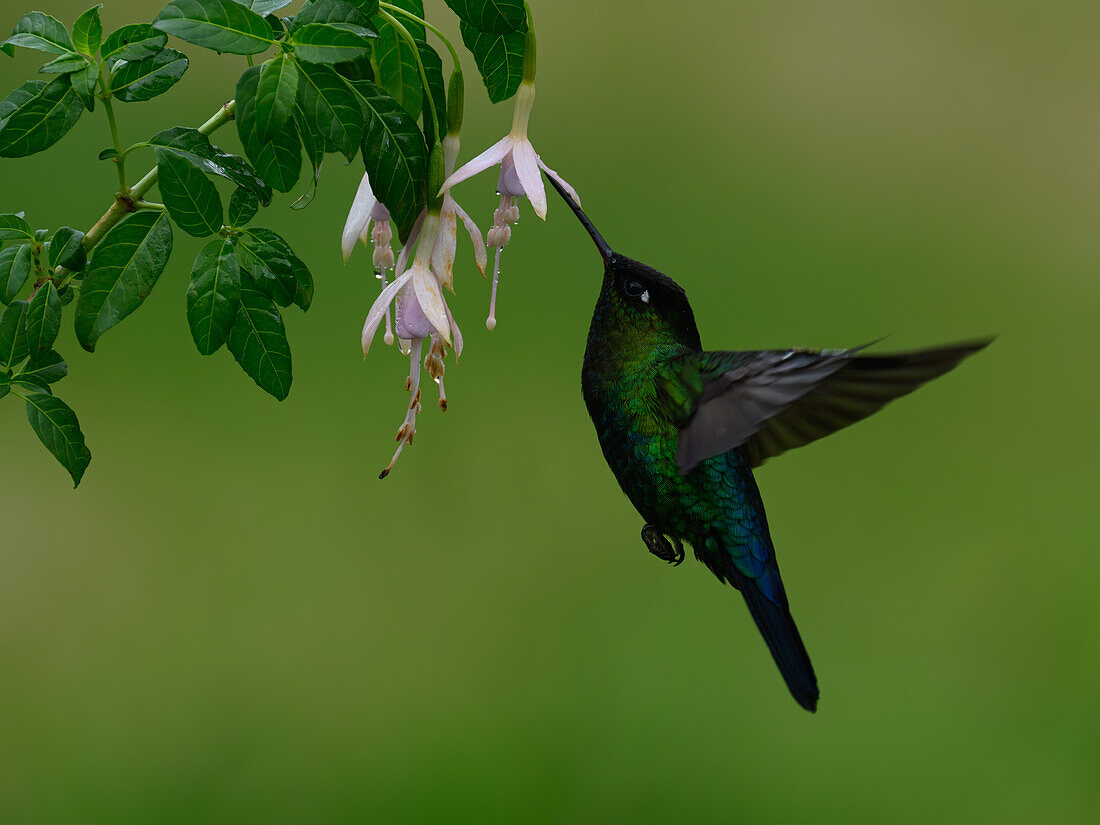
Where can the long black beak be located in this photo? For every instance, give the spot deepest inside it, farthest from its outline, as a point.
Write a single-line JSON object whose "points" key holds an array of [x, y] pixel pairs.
{"points": [[605, 251]]}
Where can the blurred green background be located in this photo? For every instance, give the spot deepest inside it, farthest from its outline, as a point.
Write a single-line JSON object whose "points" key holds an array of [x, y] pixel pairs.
{"points": [[233, 620]]}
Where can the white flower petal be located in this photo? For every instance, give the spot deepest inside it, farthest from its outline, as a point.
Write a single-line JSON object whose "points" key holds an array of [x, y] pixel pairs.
{"points": [[414, 236], [431, 300], [527, 167], [572, 192], [487, 159], [457, 332], [446, 242], [481, 256], [379, 307], [358, 217]]}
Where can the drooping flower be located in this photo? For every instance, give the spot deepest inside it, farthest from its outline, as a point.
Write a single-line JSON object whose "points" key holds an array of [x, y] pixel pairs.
{"points": [[519, 177], [443, 256]]}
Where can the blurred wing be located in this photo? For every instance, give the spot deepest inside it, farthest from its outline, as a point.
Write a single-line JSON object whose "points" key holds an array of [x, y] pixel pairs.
{"points": [[772, 401]]}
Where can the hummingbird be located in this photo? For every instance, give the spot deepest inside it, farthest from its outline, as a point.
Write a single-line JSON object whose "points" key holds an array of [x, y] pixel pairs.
{"points": [[683, 428]]}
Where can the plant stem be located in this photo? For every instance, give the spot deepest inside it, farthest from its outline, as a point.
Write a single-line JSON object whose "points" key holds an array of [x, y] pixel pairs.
{"points": [[399, 27], [108, 107], [429, 27], [127, 202]]}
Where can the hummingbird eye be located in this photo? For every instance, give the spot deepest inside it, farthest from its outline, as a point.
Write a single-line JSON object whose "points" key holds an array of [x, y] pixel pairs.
{"points": [[635, 289]]}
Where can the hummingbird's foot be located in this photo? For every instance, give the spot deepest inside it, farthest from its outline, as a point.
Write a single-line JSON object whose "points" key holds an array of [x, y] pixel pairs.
{"points": [[661, 547]]}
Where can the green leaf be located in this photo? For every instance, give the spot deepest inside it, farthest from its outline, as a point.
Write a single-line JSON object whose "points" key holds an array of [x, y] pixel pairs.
{"points": [[191, 198], [196, 148], [38, 373], [108, 154], [88, 31], [42, 32], [279, 258], [437, 86], [221, 25], [334, 11], [5, 384], [13, 227], [124, 269], [56, 426], [395, 156], [499, 58], [327, 43], [84, 83], [278, 159], [491, 15], [13, 334], [270, 266], [15, 267], [64, 64], [314, 147], [67, 249], [417, 8], [398, 72], [43, 319], [265, 7], [136, 41], [37, 115], [141, 80], [275, 94], [214, 295], [258, 342], [243, 206], [331, 107]]}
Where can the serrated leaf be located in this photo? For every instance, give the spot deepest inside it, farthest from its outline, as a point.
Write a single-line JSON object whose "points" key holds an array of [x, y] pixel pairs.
{"points": [[214, 295], [276, 92], [13, 334], [491, 15], [243, 206], [265, 7], [140, 80], [332, 108], [57, 428], [67, 249], [37, 115], [41, 32], [278, 159], [398, 72], [84, 83], [395, 156], [38, 373], [192, 200], [14, 227], [15, 268], [65, 64], [499, 58], [124, 269], [221, 25], [258, 343], [43, 319], [135, 41], [333, 11], [327, 43], [88, 31], [196, 148]]}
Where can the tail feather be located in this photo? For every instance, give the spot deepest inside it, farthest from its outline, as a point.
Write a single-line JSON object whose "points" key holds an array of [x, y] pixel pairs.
{"points": [[779, 631]]}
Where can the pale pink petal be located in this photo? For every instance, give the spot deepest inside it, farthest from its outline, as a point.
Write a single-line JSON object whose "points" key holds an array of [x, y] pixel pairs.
{"points": [[487, 159], [379, 307], [411, 321], [446, 242], [457, 332], [481, 256], [572, 192], [358, 217], [527, 167], [431, 300]]}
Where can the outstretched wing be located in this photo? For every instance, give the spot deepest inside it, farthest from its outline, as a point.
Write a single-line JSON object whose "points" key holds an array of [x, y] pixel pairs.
{"points": [[772, 401]]}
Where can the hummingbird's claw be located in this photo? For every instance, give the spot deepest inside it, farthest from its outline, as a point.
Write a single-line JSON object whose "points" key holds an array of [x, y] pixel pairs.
{"points": [[661, 547]]}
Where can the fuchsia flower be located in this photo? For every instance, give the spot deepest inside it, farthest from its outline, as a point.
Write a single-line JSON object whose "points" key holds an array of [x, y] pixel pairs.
{"points": [[519, 177], [365, 210]]}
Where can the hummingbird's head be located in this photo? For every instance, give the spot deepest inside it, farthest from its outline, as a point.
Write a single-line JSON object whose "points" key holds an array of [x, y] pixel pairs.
{"points": [[638, 298]]}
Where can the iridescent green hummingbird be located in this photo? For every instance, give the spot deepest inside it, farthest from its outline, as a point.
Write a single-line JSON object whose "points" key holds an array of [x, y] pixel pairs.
{"points": [[683, 428]]}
